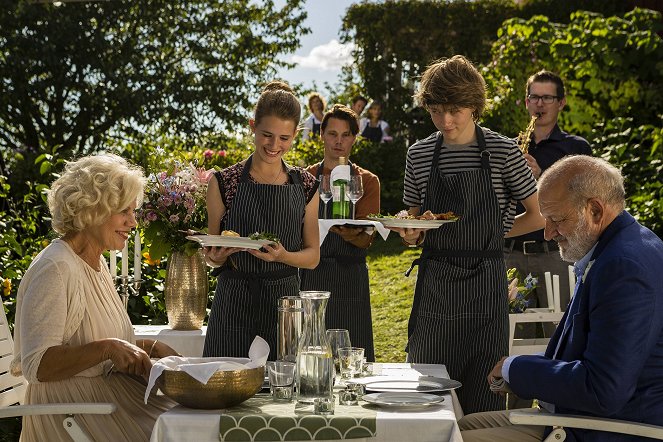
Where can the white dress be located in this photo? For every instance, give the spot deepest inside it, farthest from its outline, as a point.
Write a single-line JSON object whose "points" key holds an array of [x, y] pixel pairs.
{"points": [[62, 300]]}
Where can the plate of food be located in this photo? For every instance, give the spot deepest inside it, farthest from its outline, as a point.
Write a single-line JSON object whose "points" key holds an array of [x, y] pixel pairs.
{"points": [[401, 400], [228, 238], [392, 385], [427, 220]]}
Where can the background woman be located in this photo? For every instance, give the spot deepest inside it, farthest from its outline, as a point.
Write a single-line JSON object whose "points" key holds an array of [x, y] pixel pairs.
{"points": [[260, 194], [460, 312], [73, 339], [316, 105], [372, 127]]}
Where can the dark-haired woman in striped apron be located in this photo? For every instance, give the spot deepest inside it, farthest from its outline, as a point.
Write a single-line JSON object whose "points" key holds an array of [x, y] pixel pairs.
{"points": [[343, 272], [245, 302]]}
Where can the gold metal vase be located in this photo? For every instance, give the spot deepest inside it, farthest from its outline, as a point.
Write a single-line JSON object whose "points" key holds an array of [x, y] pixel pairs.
{"points": [[186, 289]]}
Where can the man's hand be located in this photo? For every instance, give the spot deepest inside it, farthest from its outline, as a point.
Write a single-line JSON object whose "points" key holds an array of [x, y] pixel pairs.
{"points": [[496, 372], [356, 236], [533, 165]]}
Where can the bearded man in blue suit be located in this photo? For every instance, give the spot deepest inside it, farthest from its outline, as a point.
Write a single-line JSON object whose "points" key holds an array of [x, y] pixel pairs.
{"points": [[606, 356]]}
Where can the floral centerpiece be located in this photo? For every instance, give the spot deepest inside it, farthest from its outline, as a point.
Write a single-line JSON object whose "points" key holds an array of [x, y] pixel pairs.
{"points": [[519, 293], [174, 203]]}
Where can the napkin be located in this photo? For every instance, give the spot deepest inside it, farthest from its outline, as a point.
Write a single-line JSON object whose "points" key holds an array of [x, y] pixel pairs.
{"points": [[325, 224], [202, 369]]}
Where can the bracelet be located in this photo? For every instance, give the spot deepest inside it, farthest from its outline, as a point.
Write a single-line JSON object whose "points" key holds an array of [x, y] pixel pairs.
{"points": [[149, 355]]}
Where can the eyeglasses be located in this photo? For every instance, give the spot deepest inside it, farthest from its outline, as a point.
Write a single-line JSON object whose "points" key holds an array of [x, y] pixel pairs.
{"points": [[547, 99]]}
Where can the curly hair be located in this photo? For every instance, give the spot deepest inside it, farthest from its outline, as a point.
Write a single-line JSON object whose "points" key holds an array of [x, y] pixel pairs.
{"points": [[453, 82], [314, 95], [91, 189], [278, 100]]}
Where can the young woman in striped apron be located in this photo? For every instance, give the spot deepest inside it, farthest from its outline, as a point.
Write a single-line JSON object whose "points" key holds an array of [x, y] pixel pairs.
{"points": [[342, 270], [260, 194], [460, 312]]}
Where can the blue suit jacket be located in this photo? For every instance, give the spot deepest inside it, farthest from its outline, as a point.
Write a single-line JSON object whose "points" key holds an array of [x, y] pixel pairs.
{"points": [[610, 360]]}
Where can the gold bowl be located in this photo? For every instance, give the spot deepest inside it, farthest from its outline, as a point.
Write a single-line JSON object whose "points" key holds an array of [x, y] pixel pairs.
{"points": [[223, 390]]}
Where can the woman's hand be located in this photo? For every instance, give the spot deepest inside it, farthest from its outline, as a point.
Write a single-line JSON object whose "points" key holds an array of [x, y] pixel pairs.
{"points": [[274, 252], [217, 256], [158, 349], [127, 357]]}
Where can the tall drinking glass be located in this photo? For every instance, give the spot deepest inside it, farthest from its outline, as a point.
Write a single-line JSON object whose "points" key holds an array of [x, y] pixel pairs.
{"points": [[354, 191], [325, 191], [338, 337]]}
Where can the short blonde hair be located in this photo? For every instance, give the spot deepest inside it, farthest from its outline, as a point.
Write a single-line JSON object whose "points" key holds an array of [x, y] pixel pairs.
{"points": [[91, 189], [453, 82]]}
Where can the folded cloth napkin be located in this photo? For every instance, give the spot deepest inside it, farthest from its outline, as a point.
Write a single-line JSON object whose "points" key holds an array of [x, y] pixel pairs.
{"points": [[202, 369], [499, 385], [325, 224]]}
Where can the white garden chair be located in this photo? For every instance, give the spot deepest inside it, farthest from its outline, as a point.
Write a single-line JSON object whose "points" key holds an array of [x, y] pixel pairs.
{"points": [[559, 421], [12, 391]]}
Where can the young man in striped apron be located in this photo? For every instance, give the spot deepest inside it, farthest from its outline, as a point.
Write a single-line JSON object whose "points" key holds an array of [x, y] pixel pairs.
{"points": [[460, 312], [342, 269]]}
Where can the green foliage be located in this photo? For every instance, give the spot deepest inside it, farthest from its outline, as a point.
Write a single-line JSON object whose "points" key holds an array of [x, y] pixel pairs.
{"points": [[638, 152], [396, 40], [84, 73], [611, 66]]}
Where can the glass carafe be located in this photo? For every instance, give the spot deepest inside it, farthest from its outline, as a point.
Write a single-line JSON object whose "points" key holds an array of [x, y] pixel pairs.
{"points": [[315, 364]]}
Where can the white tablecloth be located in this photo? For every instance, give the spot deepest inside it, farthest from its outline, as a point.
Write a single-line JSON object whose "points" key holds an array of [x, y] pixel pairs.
{"points": [[186, 342], [434, 424]]}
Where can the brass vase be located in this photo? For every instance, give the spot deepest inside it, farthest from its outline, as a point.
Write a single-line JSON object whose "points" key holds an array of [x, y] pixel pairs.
{"points": [[186, 289]]}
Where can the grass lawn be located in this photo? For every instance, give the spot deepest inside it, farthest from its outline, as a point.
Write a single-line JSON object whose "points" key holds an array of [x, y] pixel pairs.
{"points": [[391, 295]]}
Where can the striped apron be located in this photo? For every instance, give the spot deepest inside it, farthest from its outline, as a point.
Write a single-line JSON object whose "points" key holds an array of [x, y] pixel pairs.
{"points": [[247, 289], [343, 272], [460, 315]]}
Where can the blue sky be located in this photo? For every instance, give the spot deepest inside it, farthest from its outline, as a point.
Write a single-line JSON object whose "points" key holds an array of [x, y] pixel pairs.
{"points": [[321, 55]]}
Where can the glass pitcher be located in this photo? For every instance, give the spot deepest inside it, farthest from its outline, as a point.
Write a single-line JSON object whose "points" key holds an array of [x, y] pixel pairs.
{"points": [[315, 364]]}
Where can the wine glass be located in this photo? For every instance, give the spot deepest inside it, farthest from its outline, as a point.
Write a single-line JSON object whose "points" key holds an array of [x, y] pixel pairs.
{"points": [[325, 191], [354, 190], [338, 338]]}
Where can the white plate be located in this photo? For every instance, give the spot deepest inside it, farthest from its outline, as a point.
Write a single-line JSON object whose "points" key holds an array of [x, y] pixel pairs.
{"points": [[411, 386], [229, 241], [413, 223], [400, 400]]}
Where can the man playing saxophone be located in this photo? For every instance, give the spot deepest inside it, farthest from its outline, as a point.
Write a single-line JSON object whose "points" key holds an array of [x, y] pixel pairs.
{"points": [[543, 143]]}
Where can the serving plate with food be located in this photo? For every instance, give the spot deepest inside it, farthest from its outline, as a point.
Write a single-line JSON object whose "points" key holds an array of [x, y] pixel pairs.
{"points": [[229, 238], [426, 220]]}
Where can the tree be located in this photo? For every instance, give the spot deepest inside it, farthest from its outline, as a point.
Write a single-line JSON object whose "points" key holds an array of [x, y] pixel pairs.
{"points": [[612, 67], [77, 74]]}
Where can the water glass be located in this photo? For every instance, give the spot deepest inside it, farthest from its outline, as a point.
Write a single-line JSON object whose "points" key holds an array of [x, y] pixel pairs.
{"points": [[338, 337], [281, 379], [325, 190], [324, 406], [351, 359]]}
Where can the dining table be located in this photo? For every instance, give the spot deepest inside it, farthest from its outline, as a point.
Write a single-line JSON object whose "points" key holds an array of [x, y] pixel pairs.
{"points": [[434, 422]]}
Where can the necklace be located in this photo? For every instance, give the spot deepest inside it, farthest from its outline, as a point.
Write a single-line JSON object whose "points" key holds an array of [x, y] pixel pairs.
{"points": [[267, 181]]}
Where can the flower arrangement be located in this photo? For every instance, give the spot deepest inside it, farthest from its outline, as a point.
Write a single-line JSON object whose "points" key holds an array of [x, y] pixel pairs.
{"points": [[518, 293], [174, 203]]}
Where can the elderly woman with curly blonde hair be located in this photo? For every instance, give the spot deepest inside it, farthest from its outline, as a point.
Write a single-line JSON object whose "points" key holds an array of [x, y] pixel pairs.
{"points": [[74, 340]]}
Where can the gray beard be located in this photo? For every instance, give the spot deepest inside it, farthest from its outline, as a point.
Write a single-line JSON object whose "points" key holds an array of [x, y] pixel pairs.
{"points": [[579, 242]]}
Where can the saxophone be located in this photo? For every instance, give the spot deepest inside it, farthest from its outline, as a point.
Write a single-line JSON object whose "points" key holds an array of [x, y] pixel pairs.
{"points": [[525, 136]]}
